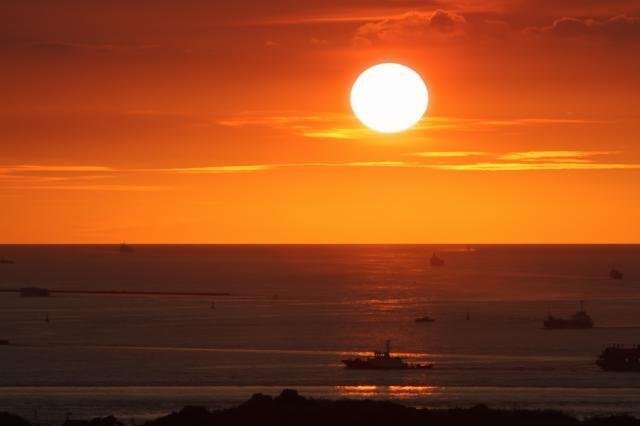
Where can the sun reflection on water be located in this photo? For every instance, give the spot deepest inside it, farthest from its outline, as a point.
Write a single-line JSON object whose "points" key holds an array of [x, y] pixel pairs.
{"points": [[392, 391]]}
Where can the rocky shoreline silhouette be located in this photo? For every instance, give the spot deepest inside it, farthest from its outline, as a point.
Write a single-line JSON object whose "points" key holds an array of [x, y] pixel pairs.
{"points": [[289, 409]]}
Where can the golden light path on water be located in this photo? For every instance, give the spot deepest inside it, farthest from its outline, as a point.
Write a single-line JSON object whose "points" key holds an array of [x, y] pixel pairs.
{"points": [[392, 391]]}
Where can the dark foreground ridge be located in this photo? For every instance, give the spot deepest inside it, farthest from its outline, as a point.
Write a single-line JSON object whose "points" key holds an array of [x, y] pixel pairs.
{"points": [[289, 409]]}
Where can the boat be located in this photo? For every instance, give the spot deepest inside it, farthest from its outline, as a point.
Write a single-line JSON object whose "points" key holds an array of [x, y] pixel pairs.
{"points": [[579, 320], [615, 274], [4, 342], [4, 261], [126, 248], [436, 261], [619, 358], [425, 318], [383, 360], [34, 292]]}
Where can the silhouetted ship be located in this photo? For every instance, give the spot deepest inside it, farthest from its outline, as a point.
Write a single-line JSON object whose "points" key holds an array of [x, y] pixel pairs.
{"points": [[425, 318], [579, 320], [126, 248], [4, 261], [4, 342], [34, 292], [619, 358], [436, 261], [383, 361], [615, 274]]}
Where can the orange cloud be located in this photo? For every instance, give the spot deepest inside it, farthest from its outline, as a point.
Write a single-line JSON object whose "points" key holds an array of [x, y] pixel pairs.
{"points": [[542, 166], [345, 126], [545, 155], [411, 25], [448, 154], [621, 27]]}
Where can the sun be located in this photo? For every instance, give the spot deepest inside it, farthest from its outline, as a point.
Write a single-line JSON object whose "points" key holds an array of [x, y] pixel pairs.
{"points": [[389, 97]]}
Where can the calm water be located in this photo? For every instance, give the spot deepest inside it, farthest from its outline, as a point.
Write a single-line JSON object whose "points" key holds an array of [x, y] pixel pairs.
{"points": [[142, 356]]}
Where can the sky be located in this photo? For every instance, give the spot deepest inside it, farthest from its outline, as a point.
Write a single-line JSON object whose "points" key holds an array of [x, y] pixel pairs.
{"points": [[229, 122]]}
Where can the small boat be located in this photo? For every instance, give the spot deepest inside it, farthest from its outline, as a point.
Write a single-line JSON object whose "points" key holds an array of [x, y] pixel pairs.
{"points": [[619, 358], [468, 317], [579, 320], [126, 248], [383, 360], [4, 261], [425, 318], [4, 342], [34, 292], [615, 274], [436, 261]]}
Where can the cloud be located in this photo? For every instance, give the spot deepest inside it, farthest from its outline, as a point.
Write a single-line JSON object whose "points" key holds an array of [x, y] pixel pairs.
{"points": [[411, 25], [329, 126], [79, 178], [36, 173], [572, 160], [345, 126], [106, 187], [30, 168], [448, 154], [543, 160], [538, 166], [555, 155], [219, 169], [620, 28], [270, 44]]}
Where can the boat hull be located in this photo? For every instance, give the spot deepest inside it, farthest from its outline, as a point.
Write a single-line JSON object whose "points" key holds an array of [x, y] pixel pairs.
{"points": [[363, 365]]}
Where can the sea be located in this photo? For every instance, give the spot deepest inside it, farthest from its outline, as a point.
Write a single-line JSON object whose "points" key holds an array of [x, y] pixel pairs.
{"points": [[293, 312]]}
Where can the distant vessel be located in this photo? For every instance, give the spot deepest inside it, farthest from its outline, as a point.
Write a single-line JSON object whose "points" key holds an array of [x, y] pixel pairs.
{"points": [[126, 248], [425, 318], [4, 342], [383, 361], [615, 274], [579, 320], [619, 358], [34, 292], [436, 261], [4, 261]]}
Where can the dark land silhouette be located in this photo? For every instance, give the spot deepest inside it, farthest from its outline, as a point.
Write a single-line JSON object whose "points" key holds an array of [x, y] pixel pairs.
{"points": [[290, 408]]}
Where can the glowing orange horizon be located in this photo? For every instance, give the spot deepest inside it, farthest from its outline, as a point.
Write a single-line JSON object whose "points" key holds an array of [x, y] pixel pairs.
{"points": [[242, 131]]}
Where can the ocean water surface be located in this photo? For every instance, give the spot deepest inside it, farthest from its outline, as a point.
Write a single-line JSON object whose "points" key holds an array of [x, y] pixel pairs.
{"points": [[295, 311]]}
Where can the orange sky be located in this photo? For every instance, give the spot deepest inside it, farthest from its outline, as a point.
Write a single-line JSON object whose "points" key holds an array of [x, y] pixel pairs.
{"points": [[229, 122]]}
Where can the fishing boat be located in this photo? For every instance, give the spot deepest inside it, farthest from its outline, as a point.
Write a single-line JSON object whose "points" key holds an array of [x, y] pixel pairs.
{"points": [[436, 261], [620, 358], [615, 274], [383, 360], [579, 320]]}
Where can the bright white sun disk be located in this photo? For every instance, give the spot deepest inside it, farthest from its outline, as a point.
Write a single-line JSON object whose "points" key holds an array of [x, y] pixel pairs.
{"points": [[389, 97]]}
